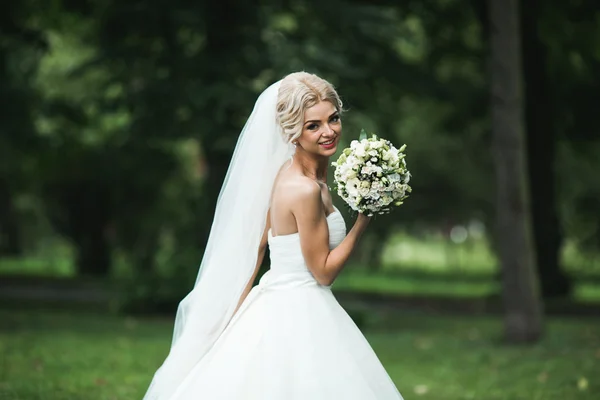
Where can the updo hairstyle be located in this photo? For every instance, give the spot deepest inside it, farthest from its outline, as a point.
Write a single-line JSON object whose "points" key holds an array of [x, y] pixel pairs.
{"points": [[297, 92]]}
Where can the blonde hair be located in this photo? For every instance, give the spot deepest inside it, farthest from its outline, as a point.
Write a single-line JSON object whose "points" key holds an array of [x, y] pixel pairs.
{"points": [[297, 92]]}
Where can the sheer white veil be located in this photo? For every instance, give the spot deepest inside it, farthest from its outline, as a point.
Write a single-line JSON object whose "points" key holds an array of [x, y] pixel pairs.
{"points": [[232, 249]]}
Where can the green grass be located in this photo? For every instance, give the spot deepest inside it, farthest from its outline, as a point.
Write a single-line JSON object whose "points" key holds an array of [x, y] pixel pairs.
{"points": [[53, 257], [437, 254], [355, 278], [66, 355]]}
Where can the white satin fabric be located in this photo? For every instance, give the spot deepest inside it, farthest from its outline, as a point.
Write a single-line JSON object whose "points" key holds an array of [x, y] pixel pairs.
{"points": [[290, 340], [231, 252]]}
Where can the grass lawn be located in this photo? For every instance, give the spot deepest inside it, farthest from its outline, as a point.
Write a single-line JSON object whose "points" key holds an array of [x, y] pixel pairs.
{"points": [[66, 355], [399, 283]]}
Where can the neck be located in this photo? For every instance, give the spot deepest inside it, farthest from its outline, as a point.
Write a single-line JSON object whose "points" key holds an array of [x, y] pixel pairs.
{"points": [[314, 167]]}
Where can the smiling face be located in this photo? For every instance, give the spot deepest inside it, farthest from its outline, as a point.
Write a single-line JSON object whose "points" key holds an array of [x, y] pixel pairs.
{"points": [[306, 113], [321, 130]]}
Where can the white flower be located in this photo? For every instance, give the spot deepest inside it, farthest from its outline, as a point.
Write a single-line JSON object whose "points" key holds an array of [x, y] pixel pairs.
{"points": [[394, 178], [377, 144], [344, 170], [358, 148], [352, 161], [352, 186], [360, 152], [398, 194], [370, 169], [391, 156]]}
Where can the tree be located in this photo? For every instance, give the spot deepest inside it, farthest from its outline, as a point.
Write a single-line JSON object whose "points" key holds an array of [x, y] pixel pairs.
{"points": [[20, 49], [541, 154], [523, 314]]}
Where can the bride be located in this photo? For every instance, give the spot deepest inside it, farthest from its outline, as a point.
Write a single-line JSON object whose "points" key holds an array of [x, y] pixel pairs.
{"points": [[286, 338]]}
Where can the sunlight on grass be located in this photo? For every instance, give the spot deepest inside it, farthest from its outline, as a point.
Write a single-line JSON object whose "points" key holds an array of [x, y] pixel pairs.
{"points": [[365, 282], [355, 279], [54, 257], [37, 266], [437, 253], [587, 292]]}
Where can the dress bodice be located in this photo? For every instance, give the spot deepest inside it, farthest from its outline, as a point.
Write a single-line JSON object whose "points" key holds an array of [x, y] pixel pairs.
{"points": [[285, 250]]}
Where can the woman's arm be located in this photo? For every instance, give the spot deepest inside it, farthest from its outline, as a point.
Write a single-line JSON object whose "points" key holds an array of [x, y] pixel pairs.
{"points": [[324, 264], [262, 249]]}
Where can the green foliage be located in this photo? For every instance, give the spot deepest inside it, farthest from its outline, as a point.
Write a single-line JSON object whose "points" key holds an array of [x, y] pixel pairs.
{"points": [[363, 135], [123, 116]]}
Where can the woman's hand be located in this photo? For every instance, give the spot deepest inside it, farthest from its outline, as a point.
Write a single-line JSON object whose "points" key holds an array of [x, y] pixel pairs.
{"points": [[363, 220]]}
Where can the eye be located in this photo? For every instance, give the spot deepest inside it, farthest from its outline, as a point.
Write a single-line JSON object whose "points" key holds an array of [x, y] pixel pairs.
{"points": [[312, 127], [335, 118]]}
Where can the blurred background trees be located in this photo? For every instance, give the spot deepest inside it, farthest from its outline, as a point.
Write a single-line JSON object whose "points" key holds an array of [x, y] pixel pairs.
{"points": [[120, 118]]}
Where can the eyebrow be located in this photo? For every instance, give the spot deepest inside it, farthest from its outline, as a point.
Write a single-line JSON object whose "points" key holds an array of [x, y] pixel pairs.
{"points": [[316, 120]]}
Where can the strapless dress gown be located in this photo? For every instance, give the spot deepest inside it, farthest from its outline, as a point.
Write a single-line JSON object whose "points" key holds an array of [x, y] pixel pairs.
{"points": [[290, 340]]}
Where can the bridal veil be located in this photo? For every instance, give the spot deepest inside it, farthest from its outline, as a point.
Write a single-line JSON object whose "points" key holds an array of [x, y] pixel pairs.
{"points": [[232, 249]]}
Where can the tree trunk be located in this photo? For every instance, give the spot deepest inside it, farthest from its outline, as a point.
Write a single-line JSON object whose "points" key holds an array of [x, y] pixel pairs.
{"points": [[10, 240], [523, 315], [370, 252], [93, 254], [222, 65], [541, 150], [82, 213]]}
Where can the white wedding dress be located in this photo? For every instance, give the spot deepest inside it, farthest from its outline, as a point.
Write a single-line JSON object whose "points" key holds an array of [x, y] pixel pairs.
{"points": [[290, 340]]}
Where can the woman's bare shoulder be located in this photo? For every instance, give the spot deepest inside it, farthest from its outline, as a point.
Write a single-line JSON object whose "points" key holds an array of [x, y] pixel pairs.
{"points": [[296, 189]]}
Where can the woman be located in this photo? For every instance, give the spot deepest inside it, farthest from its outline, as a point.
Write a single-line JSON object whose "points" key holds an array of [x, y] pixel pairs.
{"points": [[287, 338]]}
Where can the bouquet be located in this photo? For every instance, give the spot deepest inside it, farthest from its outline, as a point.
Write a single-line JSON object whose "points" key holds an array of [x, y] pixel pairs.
{"points": [[371, 175]]}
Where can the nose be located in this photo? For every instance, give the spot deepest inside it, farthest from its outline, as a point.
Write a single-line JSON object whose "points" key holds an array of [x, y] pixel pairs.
{"points": [[329, 130]]}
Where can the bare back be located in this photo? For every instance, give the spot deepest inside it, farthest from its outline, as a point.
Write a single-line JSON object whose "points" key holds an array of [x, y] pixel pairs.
{"points": [[289, 182]]}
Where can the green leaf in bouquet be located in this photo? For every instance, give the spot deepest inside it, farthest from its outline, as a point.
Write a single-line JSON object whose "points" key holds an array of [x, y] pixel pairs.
{"points": [[363, 134]]}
